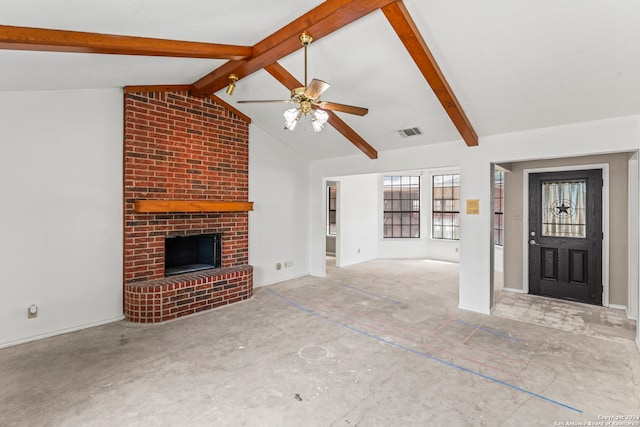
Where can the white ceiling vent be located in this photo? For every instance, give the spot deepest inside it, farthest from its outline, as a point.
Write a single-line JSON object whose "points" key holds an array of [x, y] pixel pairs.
{"points": [[410, 132]]}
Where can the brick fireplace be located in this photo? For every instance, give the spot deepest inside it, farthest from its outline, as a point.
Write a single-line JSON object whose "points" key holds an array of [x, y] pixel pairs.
{"points": [[185, 172]]}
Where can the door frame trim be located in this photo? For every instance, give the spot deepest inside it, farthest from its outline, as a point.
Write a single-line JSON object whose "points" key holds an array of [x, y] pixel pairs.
{"points": [[605, 221]]}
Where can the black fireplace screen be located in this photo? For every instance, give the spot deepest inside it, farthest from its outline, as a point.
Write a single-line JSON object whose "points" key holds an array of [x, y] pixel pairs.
{"points": [[183, 254]]}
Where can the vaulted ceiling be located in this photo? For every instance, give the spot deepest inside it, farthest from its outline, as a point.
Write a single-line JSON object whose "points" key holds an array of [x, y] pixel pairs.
{"points": [[458, 70]]}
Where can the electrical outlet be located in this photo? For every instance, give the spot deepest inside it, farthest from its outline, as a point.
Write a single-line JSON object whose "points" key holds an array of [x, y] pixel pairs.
{"points": [[32, 311], [278, 266], [288, 264]]}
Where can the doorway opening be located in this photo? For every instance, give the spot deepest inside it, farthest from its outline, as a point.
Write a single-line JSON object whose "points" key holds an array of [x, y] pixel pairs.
{"points": [[565, 235]]}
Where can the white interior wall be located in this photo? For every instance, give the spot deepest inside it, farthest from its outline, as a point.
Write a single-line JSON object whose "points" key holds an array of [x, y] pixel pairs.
{"points": [[498, 260], [604, 136], [279, 222], [61, 216], [357, 219]]}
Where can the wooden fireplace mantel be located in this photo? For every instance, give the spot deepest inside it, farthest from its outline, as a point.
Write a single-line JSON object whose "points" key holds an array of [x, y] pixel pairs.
{"points": [[156, 206]]}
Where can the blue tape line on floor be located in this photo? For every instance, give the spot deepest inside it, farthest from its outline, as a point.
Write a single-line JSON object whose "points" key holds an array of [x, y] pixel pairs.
{"points": [[419, 353]]}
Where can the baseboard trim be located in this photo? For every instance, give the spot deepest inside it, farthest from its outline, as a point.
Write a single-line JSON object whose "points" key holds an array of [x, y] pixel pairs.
{"points": [[283, 280], [516, 291], [62, 331], [474, 309]]}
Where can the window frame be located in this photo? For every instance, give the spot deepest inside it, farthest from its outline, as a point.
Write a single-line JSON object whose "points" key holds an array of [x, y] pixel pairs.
{"points": [[334, 210], [408, 208], [498, 211], [453, 201]]}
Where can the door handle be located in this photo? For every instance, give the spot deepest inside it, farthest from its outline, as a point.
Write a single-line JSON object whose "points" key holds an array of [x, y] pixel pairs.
{"points": [[533, 242]]}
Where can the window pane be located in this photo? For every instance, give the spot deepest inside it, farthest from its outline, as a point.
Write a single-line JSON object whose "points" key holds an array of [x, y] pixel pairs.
{"points": [[498, 203], [446, 206], [456, 193], [437, 219], [331, 210], [447, 233], [401, 206]]}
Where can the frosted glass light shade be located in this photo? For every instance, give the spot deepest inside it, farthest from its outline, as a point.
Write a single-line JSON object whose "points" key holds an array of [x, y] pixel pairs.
{"points": [[291, 117], [318, 119]]}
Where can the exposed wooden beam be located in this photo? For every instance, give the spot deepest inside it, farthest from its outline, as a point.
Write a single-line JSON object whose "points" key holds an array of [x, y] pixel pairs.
{"points": [[23, 38], [339, 125], [288, 80], [410, 36], [326, 18], [283, 76]]}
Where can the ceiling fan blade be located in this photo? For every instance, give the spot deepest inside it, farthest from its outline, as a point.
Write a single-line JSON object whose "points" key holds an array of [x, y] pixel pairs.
{"points": [[264, 101], [315, 88], [358, 111]]}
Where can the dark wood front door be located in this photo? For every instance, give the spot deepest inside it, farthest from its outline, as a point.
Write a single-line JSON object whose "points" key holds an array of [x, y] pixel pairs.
{"points": [[565, 235]]}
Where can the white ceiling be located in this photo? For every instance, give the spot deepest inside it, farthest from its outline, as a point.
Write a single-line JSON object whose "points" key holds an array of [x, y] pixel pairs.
{"points": [[513, 65]]}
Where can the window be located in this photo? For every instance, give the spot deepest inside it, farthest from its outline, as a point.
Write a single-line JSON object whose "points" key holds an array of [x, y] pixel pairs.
{"points": [[446, 207], [498, 201], [331, 210], [401, 206]]}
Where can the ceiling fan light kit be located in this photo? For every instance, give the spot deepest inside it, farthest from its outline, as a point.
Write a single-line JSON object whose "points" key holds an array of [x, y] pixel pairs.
{"points": [[308, 99]]}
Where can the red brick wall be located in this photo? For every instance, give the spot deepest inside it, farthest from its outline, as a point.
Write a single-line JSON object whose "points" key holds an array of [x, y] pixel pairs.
{"points": [[181, 147]]}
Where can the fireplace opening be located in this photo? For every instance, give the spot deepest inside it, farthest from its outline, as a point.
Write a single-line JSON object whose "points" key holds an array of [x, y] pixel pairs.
{"points": [[183, 254]]}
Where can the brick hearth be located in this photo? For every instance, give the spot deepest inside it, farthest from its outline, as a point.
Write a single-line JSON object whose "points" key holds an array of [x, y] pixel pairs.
{"points": [[179, 147]]}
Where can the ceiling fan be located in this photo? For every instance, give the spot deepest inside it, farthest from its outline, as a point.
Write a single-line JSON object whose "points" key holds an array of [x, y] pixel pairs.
{"points": [[308, 98]]}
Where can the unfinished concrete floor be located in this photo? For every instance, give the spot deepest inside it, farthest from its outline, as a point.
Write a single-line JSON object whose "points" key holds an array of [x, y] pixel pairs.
{"points": [[377, 344]]}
